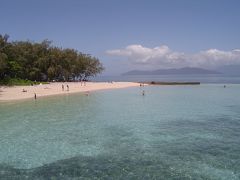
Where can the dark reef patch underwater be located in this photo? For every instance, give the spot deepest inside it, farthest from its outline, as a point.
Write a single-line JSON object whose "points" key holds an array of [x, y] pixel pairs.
{"points": [[113, 168]]}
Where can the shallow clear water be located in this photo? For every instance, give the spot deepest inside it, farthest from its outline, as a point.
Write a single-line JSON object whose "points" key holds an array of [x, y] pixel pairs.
{"points": [[173, 132]]}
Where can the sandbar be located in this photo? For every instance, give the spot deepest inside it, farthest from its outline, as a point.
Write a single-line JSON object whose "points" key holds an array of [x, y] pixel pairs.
{"points": [[16, 92]]}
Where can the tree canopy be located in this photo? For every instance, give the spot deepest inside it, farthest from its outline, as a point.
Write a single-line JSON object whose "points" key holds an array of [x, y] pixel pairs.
{"points": [[44, 62]]}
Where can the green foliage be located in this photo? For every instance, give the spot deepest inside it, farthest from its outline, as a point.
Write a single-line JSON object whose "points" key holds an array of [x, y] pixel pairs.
{"points": [[18, 82], [44, 62], [3, 63]]}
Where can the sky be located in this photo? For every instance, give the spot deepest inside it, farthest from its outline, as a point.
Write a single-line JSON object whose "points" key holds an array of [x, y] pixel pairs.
{"points": [[132, 34]]}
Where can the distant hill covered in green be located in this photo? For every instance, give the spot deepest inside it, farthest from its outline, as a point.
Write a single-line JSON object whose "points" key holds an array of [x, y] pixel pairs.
{"points": [[185, 70], [44, 62]]}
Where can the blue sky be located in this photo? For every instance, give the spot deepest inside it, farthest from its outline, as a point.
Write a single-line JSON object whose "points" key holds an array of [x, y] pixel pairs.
{"points": [[130, 34]]}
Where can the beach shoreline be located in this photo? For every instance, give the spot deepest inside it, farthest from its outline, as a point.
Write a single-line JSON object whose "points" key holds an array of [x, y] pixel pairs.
{"points": [[17, 92]]}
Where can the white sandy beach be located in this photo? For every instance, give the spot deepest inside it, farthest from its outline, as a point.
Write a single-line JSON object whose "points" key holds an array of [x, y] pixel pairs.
{"points": [[16, 92]]}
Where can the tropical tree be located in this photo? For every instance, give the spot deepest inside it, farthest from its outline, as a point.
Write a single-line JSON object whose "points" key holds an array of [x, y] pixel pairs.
{"points": [[42, 61]]}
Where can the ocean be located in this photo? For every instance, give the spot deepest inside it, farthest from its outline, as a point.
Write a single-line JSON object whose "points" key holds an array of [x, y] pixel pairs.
{"points": [[207, 78], [173, 132]]}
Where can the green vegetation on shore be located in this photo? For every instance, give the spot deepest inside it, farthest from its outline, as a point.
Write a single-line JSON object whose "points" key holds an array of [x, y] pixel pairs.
{"points": [[24, 62], [18, 82]]}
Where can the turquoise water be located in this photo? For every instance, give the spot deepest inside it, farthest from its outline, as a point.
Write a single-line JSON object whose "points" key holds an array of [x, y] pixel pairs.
{"points": [[173, 132]]}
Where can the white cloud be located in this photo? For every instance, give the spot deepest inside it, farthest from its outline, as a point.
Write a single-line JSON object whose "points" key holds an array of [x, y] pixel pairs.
{"points": [[164, 57]]}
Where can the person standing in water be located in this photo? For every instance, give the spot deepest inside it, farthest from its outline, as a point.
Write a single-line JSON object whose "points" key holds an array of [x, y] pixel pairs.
{"points": [[143, 93]]}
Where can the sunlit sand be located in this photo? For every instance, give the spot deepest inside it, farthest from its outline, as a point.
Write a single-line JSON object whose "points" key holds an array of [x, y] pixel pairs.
{"points": [[24, 92]]}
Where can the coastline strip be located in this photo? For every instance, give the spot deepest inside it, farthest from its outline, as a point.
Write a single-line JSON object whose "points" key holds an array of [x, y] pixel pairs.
{"points": [[27, 92]]}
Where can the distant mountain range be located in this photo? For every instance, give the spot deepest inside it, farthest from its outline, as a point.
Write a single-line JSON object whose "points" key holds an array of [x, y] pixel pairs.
{"points": [[185, 70]]}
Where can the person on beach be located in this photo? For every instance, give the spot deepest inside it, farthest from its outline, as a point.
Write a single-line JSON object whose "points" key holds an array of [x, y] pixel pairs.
{"points": [[35, 96], [67, 88], [62, 87]]}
